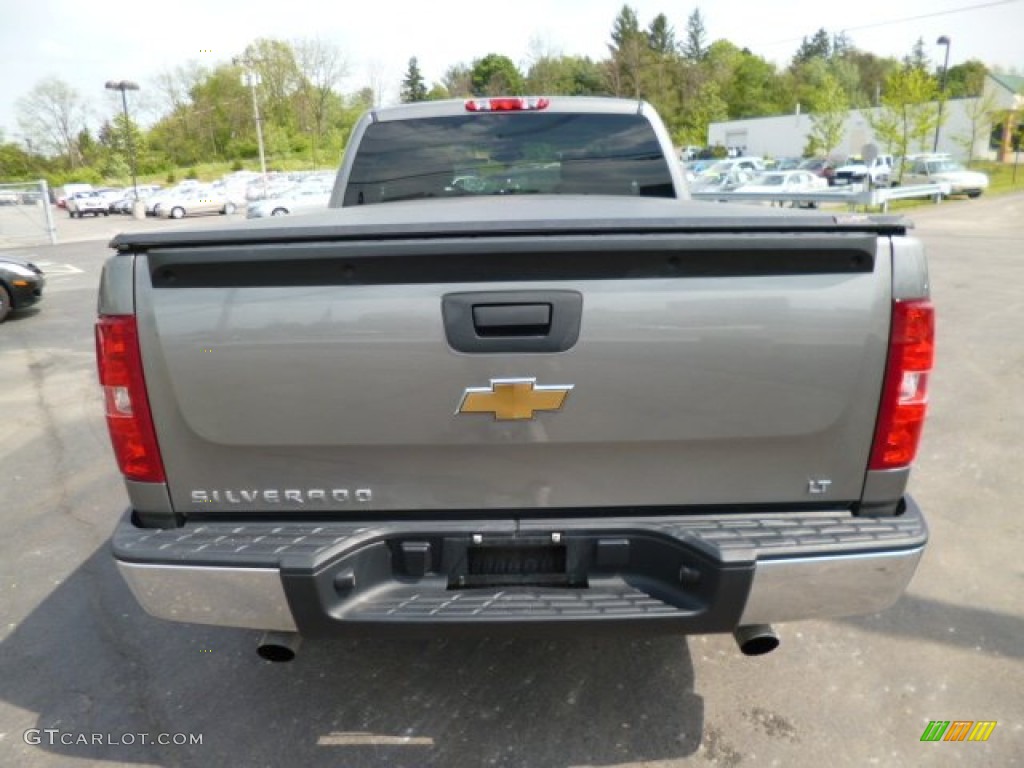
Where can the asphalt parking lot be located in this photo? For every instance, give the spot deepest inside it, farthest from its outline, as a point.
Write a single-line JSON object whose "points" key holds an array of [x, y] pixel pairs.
{"points": [[79, 660]]}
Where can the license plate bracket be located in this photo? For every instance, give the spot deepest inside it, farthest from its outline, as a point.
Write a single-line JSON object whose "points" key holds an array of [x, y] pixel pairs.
{"points": [[513, 563]]}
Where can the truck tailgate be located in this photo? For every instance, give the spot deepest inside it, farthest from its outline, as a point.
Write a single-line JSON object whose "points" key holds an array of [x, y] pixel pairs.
{"points": [[712, 366]]}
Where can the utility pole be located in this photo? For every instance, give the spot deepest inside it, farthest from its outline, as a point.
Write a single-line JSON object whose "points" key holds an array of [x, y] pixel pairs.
{"points": [[251, 78]]}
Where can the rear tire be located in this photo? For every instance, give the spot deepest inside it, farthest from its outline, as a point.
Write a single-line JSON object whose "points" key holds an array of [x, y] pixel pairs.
{"points": [[229, 208], [5, 303], [177, 212], [974, 194], [279, 212]]}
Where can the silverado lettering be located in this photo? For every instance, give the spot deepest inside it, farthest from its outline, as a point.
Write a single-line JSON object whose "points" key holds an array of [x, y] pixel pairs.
{"points": [[274, 496]]}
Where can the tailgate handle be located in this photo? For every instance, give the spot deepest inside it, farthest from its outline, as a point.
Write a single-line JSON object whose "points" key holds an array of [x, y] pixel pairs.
{"points": [[512, 321]]}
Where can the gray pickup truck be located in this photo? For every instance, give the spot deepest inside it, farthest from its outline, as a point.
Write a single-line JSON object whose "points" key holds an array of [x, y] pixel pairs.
{"points": [[513, 380]]}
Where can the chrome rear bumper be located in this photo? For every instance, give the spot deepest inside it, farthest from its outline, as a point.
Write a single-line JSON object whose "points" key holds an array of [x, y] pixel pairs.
{"points": [[683, 574]]}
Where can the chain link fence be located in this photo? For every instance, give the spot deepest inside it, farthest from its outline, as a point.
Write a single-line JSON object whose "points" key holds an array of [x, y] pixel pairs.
{"points": [[25, 214]]}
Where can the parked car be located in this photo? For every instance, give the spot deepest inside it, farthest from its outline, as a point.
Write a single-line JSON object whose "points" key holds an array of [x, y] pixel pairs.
{"points": [[69, 190], [233, 191], [753, 164], [86, 202], [785, 164], [857, 170], [274, 187], [819, 166], [125, 202], [110, 194], [942, 170], [695, 168], [194, 201], [787, 182], [723, 180], [301, 199], [689, 153], [152, 202], [21, 285]]}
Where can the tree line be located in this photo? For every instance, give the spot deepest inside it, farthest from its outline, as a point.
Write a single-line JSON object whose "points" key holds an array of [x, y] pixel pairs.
{"points": [[205, 113]]}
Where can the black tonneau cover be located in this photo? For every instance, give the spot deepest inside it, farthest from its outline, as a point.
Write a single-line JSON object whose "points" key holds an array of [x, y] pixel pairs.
{"points": [[507, 216]]}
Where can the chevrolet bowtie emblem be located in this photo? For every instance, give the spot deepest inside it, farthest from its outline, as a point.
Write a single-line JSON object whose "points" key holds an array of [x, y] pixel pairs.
{"points": [[513, 399]]}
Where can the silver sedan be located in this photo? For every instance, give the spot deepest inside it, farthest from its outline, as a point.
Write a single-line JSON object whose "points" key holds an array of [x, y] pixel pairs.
{"points": [[193, 202]]}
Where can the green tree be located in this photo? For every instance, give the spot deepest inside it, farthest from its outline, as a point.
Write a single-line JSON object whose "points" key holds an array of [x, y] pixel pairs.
{"points": [[917, 59], [749, 85], [707, 107], [565, 75], [818, 47], [842, 45], [322, 67], [661, 38], [222, 110], [413, 87], [496, 75], [627, 49], [756, 89], [908, 116], [16, 164], [119, 135], [280, 79], [458, 81], [695, 46], [828, 110], [625, 26], [659, 74], [872, 73], [119, 139], [965, 80], [981, 113], [91, 151], [176, 133], [438, 92]]}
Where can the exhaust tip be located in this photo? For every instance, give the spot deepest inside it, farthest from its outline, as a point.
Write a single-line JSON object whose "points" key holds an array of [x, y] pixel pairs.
{"points": [[756, 639], [278, 646]]}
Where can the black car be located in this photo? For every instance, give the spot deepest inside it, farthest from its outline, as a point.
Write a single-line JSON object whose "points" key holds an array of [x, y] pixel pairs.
{"points": [[21, 285]]}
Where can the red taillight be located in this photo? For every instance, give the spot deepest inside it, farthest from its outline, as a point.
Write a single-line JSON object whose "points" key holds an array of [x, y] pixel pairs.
{"points": [[124, 396], [515, 104], [905, 390]]}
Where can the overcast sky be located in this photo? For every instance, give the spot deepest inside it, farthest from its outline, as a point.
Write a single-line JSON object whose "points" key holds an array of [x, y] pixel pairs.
{"points": [[87, 43]]}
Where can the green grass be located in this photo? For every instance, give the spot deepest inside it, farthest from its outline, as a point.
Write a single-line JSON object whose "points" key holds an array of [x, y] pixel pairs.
{"points": [[1000, 176]]}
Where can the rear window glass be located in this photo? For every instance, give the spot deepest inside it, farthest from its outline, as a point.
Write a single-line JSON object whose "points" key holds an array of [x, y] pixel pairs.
{"points": [[508, 154]]}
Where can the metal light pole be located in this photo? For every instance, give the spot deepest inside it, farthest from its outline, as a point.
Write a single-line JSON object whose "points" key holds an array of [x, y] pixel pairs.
{"points": [[942, 90], [123, 86]]}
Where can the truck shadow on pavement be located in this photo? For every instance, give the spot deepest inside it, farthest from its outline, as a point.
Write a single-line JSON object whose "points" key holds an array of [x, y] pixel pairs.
{"points": [[90, 664], [986, 631]]}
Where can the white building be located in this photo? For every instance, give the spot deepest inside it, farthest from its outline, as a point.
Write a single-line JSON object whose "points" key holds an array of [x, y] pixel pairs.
{"points": [[786, 135]]}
